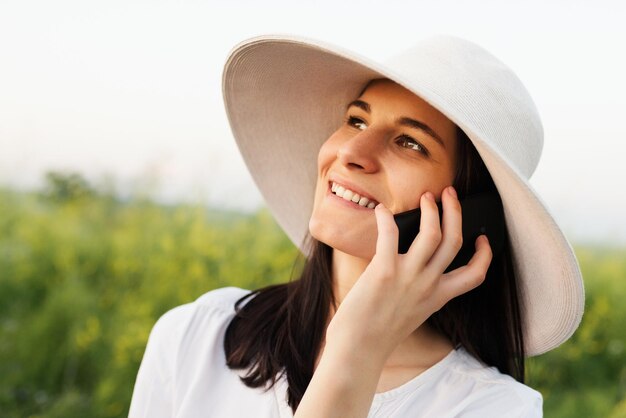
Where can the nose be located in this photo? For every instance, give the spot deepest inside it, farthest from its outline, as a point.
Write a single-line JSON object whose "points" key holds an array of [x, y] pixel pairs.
{"points": [[361, 151]]}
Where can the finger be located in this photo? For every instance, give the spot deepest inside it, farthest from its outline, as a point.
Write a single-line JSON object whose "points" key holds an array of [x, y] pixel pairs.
{"points": [[452, 232], [429, 237], [466, 278], [387, 241]]}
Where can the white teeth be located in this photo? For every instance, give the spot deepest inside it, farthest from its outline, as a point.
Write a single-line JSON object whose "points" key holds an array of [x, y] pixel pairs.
{"points": [[351, 196]]}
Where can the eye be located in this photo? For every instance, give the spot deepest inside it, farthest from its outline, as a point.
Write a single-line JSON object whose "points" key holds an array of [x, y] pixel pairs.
{"points": [[356, 122], [410, 143]]}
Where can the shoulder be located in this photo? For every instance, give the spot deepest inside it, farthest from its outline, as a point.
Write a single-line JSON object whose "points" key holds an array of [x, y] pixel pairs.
{"points": [[222, 299], [208, 313], [183, 339], [492, 393], [220, 302]]}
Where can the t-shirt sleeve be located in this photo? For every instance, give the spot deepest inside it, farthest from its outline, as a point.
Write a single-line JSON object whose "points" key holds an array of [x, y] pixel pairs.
{"points": [[153, 392], [185, 332], [507, 404], [533, 408], [528, 407]]}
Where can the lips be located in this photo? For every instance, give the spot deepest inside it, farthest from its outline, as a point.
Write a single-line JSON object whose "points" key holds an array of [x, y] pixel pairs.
{"points": [[352, 196]]}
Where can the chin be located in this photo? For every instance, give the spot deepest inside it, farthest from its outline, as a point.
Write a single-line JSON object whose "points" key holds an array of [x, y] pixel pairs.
{"points": [[357, 244]]}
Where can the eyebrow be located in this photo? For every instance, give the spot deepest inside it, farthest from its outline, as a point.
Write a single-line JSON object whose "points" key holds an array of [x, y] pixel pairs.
{"points": [[404, 121]]}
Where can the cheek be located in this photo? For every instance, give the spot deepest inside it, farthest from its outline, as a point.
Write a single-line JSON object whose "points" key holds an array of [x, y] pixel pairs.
{"points": [[447, 175], [412, 182], [327, 153], [325, 158]]}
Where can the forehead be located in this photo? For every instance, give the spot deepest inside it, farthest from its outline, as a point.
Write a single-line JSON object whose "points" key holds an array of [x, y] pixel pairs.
{"points": [[392, 96]]}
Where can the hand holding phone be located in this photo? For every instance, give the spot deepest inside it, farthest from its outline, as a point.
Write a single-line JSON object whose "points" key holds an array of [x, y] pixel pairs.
{"points": [[481, 213]]}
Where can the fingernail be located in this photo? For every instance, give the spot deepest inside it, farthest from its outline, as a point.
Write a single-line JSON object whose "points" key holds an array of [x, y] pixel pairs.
{"points": [[452, 192], [429, 196]]}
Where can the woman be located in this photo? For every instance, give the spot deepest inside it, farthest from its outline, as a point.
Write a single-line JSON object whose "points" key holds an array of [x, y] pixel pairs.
{"points": [[367, 331]]}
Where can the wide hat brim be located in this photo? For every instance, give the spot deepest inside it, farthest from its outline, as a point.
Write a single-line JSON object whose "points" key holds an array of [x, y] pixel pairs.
{"points": [[286, 95]]}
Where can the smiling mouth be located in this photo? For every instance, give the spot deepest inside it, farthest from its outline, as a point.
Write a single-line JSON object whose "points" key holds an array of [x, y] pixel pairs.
{"points": [[349, 195]]}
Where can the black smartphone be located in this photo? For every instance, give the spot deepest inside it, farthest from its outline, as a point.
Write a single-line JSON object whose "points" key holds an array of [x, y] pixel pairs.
{"points": [[482, 213]]}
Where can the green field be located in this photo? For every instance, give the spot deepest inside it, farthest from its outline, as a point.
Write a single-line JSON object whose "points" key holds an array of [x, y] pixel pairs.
{"points": [[84, 276]]}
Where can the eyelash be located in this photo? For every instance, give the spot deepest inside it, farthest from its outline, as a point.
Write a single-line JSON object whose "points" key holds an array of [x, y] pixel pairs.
{"points": [[353, 121]]}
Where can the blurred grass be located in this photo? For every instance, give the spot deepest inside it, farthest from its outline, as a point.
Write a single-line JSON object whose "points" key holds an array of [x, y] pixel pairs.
{"points": [[83, 277]]}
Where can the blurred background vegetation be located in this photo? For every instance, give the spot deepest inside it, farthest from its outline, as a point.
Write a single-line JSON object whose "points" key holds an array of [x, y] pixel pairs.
{"points": [[84, 276]]}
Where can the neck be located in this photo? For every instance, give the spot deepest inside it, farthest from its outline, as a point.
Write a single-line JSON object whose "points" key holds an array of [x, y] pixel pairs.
{"points": [[424, 347], [346, 270]]}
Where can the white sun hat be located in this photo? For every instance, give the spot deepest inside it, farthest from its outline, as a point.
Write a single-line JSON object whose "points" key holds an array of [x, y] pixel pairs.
{"points": [[286, 95]]}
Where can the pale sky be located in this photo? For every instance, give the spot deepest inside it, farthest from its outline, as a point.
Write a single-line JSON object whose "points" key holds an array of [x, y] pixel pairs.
{"points": [[132, 90]]}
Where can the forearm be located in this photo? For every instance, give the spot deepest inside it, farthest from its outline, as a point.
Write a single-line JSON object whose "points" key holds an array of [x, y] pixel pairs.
{"points": [[343, 385]]}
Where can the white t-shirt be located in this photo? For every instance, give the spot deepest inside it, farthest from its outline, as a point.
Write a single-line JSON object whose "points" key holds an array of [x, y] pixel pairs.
{"points": [[184, 374]]}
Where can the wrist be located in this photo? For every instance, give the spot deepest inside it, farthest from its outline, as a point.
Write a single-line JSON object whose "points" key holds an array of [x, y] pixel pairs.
{"points": [[358, 345], [352, 354]]}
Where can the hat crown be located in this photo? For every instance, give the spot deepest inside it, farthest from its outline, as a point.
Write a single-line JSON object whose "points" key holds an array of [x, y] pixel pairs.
{"points": [[465, 79]]}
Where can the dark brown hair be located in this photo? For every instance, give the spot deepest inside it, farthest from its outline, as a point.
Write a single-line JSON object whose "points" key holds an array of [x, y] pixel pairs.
{"points": [[280, 328]]}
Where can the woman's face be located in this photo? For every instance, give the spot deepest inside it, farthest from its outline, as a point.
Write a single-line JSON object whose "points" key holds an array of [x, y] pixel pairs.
{"points": [[391, 148]]}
